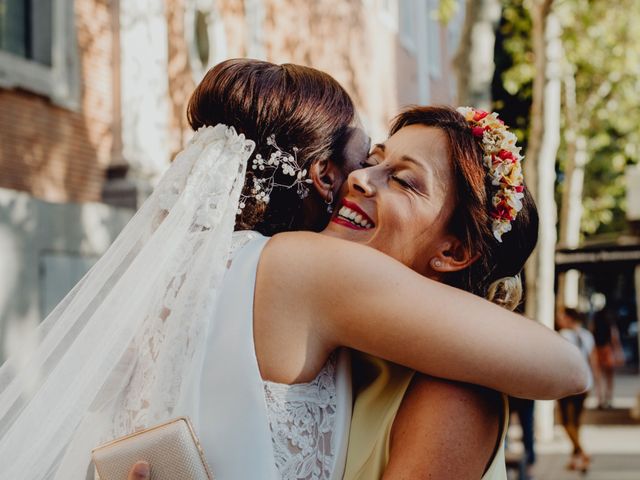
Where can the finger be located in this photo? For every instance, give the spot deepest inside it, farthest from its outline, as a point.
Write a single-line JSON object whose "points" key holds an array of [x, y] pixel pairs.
{"points": [[140, 471]]}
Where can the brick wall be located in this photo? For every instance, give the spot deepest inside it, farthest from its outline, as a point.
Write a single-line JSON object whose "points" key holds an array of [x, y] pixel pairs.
{"points": [[53, 153], [60, 155]]}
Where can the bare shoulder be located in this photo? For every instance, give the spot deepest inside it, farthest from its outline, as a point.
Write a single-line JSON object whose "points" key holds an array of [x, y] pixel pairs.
{"points": [[319, 268], [459, 396], [317, 249], [444, 429]]}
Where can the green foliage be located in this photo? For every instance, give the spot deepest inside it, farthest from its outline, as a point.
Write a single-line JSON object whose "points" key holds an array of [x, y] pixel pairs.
{"points": [[513, 77], [601, 42], [446, 10]]}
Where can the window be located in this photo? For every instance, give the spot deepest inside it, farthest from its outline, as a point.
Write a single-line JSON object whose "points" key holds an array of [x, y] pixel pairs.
{"points": [[205, 36], [38, 51], [25, 29]]}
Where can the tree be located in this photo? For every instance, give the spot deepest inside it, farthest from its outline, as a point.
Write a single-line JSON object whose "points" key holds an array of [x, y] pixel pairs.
{"points": [[544, 140], [474, 61], [540, 171], [602, 52]]}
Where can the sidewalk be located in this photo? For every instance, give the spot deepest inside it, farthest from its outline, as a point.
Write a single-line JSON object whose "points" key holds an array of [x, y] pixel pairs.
{"points": [[611, 437], [614, 450]]}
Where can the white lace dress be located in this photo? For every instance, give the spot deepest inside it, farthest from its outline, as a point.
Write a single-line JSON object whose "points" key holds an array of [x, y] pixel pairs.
{"points": [[255, 429], [302, 418]]}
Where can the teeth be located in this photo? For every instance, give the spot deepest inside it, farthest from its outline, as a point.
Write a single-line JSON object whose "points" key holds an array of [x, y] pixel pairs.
{"points": [[354, 217]]}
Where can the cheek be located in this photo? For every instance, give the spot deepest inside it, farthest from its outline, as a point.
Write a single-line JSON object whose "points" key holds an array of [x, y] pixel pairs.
{"points": [[403, 222], [426, 227]]}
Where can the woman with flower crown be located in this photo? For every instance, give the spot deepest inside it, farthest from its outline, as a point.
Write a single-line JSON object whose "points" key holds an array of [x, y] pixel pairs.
{"points": [[243, 332], [397, 425]]}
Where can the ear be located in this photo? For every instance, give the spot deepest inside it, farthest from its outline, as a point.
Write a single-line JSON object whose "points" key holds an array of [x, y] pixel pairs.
{"points": [[452, 256], [323, 175]]}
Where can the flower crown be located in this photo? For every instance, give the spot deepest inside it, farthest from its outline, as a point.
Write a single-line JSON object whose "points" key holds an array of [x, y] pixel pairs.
{"points": [[504, 164], [280, 164]]}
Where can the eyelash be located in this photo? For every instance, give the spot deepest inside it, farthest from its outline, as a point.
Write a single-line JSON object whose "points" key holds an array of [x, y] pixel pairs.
{"points": [[402, 182], [366, 164]]}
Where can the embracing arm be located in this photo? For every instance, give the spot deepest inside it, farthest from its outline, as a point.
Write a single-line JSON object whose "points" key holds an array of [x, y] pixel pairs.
{"points": [[354, 296], [444, 429]]}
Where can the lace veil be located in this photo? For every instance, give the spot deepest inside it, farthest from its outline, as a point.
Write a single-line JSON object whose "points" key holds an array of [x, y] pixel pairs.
{"points": [[122, 351]]}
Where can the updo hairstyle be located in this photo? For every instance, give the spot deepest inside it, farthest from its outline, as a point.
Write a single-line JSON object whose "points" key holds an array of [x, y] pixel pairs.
{"points": [[301, 106]]}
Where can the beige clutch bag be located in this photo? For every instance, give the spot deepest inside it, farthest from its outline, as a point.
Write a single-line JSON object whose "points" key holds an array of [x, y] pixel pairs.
{"points": [[171, 449]]}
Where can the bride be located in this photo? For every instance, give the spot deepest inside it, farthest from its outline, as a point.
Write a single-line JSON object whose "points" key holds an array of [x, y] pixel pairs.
{"points": [[169, 322]]}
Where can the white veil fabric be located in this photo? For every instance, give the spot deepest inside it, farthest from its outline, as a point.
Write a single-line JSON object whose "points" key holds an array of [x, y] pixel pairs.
{"points": [[122, 350]]}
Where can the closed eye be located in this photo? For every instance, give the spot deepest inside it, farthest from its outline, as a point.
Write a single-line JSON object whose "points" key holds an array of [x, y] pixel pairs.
{"points": [[369, 162], [402, 182]]}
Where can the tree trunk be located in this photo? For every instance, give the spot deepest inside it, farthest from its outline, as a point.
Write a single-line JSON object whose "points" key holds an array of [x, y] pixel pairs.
{"points": [[474, 59], [540, 174], [571, 207]]}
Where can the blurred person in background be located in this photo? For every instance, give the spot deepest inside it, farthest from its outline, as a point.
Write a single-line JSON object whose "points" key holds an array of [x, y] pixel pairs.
{"points": [[609, 354], [524, 409], [571, 326]]}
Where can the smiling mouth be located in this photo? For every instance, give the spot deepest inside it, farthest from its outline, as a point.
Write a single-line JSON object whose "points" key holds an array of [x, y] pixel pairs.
{"points": [[352, 216]]}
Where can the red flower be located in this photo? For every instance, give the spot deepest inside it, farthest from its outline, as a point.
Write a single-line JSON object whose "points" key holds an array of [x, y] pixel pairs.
{"points": [[502, 211], [477, 131], [519, 188], [507, 155], [479, 115]]}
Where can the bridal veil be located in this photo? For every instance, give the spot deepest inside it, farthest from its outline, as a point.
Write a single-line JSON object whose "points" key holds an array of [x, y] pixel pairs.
{"points": [[120, 352]]}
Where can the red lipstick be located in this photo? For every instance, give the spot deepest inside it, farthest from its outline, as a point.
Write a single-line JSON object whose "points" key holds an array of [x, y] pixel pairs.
{"points": [[348, 208]]}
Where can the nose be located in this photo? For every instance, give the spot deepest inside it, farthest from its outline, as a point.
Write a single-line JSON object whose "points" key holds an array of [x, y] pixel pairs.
{"points": [[361, 181]]}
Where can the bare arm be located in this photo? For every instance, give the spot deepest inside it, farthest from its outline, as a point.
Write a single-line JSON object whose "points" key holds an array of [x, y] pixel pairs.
{"points": [[354, 296], [444, 429]]}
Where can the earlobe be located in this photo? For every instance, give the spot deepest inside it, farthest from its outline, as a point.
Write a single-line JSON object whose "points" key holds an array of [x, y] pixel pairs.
{"points": [[453, 257], [436, 263]]}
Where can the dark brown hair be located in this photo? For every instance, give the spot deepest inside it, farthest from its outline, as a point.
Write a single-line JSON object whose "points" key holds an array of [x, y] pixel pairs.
{"points": [[303, 107], [492, 274]]}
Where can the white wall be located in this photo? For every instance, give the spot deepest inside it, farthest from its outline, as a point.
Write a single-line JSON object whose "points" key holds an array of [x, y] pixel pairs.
{"points": [[144, 87], [44, 250]]}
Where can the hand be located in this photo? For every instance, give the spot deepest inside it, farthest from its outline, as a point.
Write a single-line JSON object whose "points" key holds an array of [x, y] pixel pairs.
{"points": [[140, 471]]}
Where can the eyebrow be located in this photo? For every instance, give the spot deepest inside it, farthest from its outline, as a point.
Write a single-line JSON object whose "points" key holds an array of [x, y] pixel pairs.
{"points": [[408, 159], [404, 158]]}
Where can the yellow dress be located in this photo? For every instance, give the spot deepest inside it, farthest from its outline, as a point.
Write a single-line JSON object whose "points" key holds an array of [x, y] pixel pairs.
{"points": [[378, 399]]}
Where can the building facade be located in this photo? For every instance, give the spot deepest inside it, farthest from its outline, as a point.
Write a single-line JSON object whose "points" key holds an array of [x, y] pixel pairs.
{"points": [[93, 96]]}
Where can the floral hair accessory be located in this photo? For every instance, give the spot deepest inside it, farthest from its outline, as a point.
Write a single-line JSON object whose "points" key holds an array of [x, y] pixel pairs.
{"points": [[281, 170], [502, 158]]}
